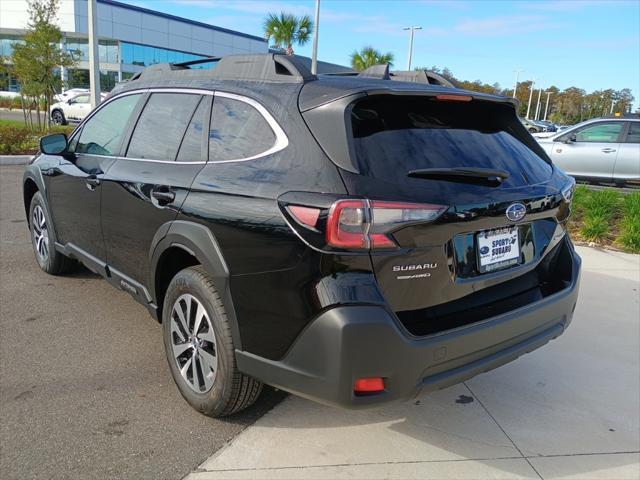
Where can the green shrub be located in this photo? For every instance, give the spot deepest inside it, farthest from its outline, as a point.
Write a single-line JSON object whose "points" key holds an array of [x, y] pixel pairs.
{"points": [[17, 139], [629, 237], [632, 205], [595, 229], [14, 103], [602, 203], [580, 197]]}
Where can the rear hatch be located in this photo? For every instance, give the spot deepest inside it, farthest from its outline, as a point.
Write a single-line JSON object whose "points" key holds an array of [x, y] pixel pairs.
{"points": [[501, 199]]}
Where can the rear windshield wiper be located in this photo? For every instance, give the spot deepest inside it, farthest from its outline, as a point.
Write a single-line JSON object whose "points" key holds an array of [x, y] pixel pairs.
{"points": [[485, 176]]}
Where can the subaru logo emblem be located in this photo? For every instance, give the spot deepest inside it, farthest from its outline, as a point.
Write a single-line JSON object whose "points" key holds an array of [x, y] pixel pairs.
{"points": [[516, 212]]}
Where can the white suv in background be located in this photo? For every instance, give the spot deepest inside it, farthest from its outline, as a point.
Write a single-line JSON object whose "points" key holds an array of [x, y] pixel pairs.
{"points": [[601, 150], [72, 109]]}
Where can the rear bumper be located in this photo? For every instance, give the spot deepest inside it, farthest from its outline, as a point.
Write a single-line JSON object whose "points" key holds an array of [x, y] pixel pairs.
{"points": [[351, 342]]}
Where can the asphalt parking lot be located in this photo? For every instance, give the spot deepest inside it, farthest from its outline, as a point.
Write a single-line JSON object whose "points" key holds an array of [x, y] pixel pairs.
{"points": [[85, 391]]}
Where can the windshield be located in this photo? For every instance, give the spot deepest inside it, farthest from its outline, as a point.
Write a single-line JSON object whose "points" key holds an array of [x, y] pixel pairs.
{"points": [[393, 135]]}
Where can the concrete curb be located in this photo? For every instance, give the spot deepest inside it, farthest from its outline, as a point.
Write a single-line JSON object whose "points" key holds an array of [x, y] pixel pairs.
{"points": [[15, 159]]}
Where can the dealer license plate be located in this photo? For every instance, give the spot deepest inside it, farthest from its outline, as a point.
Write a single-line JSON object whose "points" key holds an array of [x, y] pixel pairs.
{"points": [[497, 249]]}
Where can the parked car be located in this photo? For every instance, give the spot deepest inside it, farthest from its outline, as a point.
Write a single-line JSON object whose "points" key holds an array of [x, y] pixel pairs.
{"points": [[295, 230], [604, 150], [68, 94], [549, 125], [74, 109], [532, 127]]}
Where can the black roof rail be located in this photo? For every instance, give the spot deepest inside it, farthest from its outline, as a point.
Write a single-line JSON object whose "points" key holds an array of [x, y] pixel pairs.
{"points": [[421, 76], [376, 71], [198, 61], [382, 72], [264, 67]]}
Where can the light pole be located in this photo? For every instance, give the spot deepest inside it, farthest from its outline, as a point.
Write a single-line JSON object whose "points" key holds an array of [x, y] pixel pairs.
{"points": [[533, 83], [546, 109], [94, 72], [314, 54], [515, 85], [411, 30], [538, 104]]}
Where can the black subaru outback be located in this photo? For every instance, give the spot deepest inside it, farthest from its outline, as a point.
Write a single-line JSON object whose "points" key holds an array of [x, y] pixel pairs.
{"points": [[350, 239]]}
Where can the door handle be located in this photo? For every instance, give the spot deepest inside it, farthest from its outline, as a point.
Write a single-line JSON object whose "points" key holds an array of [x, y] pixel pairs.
{"points": [[608, 150], [163, 195], [92, 182]]}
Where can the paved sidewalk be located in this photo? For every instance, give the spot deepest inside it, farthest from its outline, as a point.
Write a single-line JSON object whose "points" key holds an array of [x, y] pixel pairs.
{"points": [[15, 159], [568, 410]]}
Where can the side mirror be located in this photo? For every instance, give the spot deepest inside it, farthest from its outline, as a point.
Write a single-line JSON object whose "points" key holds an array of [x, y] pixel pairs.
{"points": [[570, 139], [54, 144]]}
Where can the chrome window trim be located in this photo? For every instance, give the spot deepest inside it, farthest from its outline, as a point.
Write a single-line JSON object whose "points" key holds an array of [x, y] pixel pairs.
{"points": [[282, 141]]}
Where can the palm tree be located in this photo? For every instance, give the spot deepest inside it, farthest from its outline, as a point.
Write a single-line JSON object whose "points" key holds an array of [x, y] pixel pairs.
{"points": [[368, 57], [286, 29]]}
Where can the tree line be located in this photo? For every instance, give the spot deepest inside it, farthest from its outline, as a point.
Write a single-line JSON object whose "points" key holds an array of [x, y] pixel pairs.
{"points": [[568, 106]]}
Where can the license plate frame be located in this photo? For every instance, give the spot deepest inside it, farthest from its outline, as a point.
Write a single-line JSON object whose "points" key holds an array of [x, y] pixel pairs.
{"points": [[499, 256]]}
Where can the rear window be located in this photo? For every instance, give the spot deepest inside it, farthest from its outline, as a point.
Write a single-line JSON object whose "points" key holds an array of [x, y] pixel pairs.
{"points": [[393, 135]]}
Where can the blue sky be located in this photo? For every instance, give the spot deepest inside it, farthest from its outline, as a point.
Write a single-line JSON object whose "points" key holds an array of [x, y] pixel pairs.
{"points": [[591, 44]]}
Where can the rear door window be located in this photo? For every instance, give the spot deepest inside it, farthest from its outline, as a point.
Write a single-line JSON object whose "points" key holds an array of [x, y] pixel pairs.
{"points": [[605, 132], [191, 147], [633, 135], [238, 131], [161, 126], [393, 135]]}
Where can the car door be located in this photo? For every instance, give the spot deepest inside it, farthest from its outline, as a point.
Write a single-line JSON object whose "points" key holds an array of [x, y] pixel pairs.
{"points": [[79, 108], [144, 189], [627, 166], [74, 185], [589, 151]]}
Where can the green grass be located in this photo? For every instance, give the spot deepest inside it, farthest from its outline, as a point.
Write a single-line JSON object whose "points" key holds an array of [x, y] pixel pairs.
{"points": [[607, 218], [11, 123]]}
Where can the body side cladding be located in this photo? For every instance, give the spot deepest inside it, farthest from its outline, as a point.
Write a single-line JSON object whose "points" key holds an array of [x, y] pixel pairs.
{"points": [[198, 241], [33, 174]]}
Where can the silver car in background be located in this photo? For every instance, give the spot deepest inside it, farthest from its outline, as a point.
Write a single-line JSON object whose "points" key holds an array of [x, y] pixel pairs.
{"points": [[602, 150]]}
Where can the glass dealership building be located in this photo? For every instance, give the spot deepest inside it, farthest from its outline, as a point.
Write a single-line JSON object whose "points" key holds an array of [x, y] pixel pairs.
{"points": [[130, 38]]}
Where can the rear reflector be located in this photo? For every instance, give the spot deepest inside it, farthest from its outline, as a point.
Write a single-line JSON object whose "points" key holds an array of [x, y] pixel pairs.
{"points": [[368, 385], [305, 215]]}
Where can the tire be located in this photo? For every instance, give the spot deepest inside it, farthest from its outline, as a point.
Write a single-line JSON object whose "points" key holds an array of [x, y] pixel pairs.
{"points": [[203, 365], [532, 130], [43, 239], [57, 117]]}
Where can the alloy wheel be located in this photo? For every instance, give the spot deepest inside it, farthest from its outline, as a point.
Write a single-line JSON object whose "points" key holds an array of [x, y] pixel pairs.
{"points": [[193, 343], [56, 117], [40, 233]]}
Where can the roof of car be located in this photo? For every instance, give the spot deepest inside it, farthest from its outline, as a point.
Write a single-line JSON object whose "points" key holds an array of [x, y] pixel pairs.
{"points": [[330, 88], [259, 73]]}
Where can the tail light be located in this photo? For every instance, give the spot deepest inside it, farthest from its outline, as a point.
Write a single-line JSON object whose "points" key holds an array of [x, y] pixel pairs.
{"points": [[568, 190], [360, 224]]}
